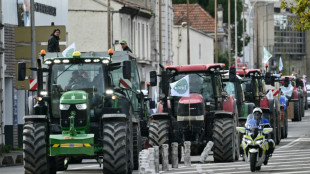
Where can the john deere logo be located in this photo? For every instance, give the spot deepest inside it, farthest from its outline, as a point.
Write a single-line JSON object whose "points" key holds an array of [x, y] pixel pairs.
{"points": [[181, 87], [73, 113]]}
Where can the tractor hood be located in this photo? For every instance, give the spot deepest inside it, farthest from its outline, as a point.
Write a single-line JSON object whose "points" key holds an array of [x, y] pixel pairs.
{"points": [[74, 97], [192, 99]]}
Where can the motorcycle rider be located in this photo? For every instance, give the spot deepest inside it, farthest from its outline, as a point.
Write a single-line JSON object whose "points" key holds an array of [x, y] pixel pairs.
{"points": [[259, 120]]}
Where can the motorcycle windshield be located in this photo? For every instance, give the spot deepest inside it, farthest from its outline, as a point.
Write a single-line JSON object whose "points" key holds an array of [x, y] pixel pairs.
{"points": [[251, 122]]}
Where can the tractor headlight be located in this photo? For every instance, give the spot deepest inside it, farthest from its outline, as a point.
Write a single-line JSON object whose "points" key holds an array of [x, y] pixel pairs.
{"points": [[87, 60], [48, 62], [109, 91], [105, 61], [96, 60], [81, 106], [57, 61], [64, 106], [65, 61]]}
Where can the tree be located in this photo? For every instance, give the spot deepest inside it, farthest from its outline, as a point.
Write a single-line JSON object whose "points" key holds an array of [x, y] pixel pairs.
{"points": [[223, 58], [302, 11]]}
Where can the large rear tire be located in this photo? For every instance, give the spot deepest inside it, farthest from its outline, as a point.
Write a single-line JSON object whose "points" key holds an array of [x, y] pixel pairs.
{"points": [[136, 145], [34, 145], [116, 148], [253, 157], [302, 106], [159, 133], [297, 116], [278, 127], [224, 138]]}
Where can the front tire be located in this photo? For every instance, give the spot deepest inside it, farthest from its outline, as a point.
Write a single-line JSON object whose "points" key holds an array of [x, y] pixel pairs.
{"points": [[224, 140], [34, 146], [116, 150], [253, 157], [136, 145], [297, 116]]}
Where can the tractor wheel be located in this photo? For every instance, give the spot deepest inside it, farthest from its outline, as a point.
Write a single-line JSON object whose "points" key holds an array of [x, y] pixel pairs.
{"points": [[116, 147], [136, 145], [278, 127], [285, 124], [159, 133], [302, 107], [34, 145], [224, 138], [306, 104], [61, 163], [297, 116], [273, 122]]}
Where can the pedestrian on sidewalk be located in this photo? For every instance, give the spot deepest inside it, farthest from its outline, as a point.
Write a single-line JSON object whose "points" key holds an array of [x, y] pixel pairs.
{"points": [[125, 46], [53, 42]]}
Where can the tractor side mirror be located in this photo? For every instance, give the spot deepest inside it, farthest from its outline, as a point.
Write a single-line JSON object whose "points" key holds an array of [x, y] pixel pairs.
{"points": [[232, 74], [268, 79], [152, 104], [127, 69], [153, 78], [21, 71], [286, 81], [164, 83]]}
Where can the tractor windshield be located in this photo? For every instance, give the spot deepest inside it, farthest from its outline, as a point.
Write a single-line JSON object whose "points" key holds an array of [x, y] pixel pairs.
{"points": [[229, 87], [200, 83], [68, 77]]}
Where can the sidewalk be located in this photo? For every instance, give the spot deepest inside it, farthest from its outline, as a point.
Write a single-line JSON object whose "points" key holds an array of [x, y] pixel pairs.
{"points": [[12, 158]]}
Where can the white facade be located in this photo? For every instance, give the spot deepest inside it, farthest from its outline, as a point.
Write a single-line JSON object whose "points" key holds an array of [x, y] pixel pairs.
{"points": [[167, 27], [201, 47]]}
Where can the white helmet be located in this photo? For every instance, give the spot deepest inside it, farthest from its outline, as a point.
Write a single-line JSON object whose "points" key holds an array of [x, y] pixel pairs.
{"points": [[258, 110]]}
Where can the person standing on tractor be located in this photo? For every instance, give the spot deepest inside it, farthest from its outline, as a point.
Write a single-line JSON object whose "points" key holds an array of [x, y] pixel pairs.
{"points": [[125, 46], [259, 120], [53, 41]]}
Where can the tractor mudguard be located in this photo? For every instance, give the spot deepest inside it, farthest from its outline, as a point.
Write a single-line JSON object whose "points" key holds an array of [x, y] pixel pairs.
{"points": [[264, 103], [159, 116], [35, 118], [229, 104], [223, 114], [114, 116], [271, 103]]}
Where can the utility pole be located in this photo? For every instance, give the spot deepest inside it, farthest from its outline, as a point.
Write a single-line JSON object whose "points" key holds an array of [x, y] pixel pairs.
{"points": [[215, 16], [229, 35], [1, 82], [243, 43], [33, 38], [188, 43], [236, 41], [109, 26], [159, 22]]}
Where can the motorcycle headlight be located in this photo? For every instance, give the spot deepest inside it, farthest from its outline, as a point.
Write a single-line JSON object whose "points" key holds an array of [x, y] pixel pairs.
{"points": [[258, 142], [81, 106], [64, 106]]}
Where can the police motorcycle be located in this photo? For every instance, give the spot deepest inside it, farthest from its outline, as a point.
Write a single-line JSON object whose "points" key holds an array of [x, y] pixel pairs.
{"points": [[256, 147]]}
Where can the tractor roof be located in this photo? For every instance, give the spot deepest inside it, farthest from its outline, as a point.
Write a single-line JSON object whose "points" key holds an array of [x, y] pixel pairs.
{"points": [[201, 67], [248, 72]]}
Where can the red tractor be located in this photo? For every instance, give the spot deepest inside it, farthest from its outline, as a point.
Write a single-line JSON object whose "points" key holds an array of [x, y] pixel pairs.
{"points": [[254, 85], [206, 114]]}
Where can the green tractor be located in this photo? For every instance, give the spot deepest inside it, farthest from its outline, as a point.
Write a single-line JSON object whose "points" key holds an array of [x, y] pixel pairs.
{"points": [[87, 107]]}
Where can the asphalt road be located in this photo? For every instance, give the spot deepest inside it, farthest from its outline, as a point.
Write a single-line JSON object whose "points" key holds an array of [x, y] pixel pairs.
{"points": [[292, 156]]}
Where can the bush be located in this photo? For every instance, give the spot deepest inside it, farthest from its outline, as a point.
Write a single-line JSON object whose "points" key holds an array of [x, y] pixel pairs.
{"points": [[6, 148]]}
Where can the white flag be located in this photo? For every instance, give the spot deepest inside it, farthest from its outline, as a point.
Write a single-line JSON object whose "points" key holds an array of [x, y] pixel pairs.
{"points": [[69, 50], [180, 87], [266, 55], [280, 64]]}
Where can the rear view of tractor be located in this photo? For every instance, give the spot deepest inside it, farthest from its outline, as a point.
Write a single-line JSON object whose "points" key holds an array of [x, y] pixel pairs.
{"points": [[253, 83], [295, 98], [233, 86], [194, 107], [83, 111]]}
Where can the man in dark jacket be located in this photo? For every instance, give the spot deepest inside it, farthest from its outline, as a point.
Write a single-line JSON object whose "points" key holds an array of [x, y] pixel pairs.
{"points": [[53, 42], [125, 46]]}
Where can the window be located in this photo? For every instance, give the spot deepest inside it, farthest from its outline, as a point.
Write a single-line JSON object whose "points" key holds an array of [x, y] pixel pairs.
{"points": [[143, 42], [147, 42], [139, 41]]}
